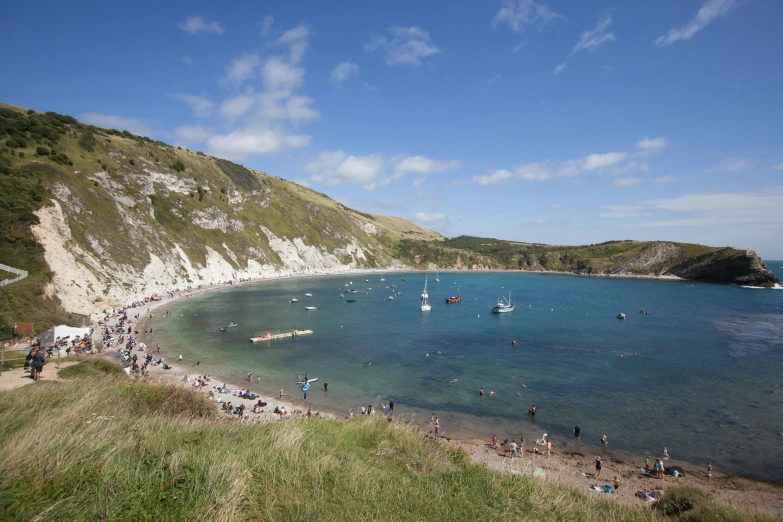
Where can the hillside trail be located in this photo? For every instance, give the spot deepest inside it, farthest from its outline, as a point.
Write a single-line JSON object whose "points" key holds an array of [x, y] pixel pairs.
{"points": [[18, 377]]}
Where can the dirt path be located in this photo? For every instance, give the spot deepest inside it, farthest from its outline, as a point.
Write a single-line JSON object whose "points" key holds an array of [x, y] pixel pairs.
{"points": [[17, 377]]}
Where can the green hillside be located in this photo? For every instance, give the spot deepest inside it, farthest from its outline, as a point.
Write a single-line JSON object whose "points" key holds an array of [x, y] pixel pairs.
{"points": [[98, 447]]}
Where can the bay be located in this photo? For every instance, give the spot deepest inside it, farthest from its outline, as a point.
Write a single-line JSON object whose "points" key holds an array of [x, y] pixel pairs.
{"points": [[701, 373]]}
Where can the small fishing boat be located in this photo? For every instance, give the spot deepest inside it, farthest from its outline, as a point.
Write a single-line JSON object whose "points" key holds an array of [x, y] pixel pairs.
{"points": [[383, 279], [425, 305], [341, 296], [222, 329], [232, 325], [366, 280], [503, 307], [308, 294], [310, 308], [621, 316], [351, 301], [403, 279], [390, 298], [455, 298], [294, 300]]}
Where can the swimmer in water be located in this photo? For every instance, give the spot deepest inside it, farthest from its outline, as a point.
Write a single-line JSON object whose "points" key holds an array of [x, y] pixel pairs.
{"points": [[491, 393], [438, 352], [481, 392], [428, 355], [453, 380], [519, 394]]}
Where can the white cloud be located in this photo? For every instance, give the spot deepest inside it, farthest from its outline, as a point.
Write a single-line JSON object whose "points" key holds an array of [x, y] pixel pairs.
{"points": [[663, 180], [707, 209], [711, 10], [556, 205], [196, 24], [254, 141], [233, 108], [627, 182], [112, 121], [601, 161], [430, 219], [333, 168], [241, 69], [200, 104], [419, 182], [283, 105], [423, 165], [649, 146], [732, 164], [187, 59], [342, 72], [591, 40], [297, 40], [407, 46], [518, 14], [191, 134], [280, 75], [558, 69], [499, 176], [779, 166], [543, 171], [266, 25], [631, 166]]}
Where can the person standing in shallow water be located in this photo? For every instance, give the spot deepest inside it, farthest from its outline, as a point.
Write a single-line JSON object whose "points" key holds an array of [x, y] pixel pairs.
{"points": [[437, 427], [577, 432], [391, 407], [603, 440], [481, 392]]}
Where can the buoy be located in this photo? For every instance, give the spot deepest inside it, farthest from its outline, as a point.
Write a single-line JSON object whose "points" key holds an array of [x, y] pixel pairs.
{"points": [[478, 316], [513, 343]]}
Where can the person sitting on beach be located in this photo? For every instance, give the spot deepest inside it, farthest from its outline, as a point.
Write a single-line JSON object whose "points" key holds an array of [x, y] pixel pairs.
{"points": [[494, 443]]}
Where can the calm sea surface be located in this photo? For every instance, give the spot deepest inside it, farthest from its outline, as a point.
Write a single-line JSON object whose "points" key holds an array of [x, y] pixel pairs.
{"points": [[701, 374]]}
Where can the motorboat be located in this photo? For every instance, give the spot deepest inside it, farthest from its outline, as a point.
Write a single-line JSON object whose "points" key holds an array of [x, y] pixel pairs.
{"points": [[294, 300], [504, 305], [341, 296], [308, 294], [390, 298], [351, 301], [310, 308], [621, 316]]}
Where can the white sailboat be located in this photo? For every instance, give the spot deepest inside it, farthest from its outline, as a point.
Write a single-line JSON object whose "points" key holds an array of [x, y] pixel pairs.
{"points": [[383, 279], [425, 305], [437, 278]]}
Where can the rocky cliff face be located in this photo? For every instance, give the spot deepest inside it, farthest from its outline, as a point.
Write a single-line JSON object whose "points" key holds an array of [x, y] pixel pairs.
{"points": [[728, 265]]}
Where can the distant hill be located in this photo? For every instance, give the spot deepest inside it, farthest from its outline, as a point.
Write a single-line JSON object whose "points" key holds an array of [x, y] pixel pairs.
{"points": [[100, 217], [613, 258]]}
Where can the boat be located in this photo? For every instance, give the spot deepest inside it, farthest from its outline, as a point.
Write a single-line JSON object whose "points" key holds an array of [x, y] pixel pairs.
{"points": [[403, 279], [294, 300], [366, 280], [399, 293], [222, 329], [341, 296], [308, 294], [232, 325], [390, 298], [310, 308], [437, 276], [502, 307], [353, 291], [351, 301], [383, 279], [425, 305], [455, 298], [308, 381], [621, 316]]}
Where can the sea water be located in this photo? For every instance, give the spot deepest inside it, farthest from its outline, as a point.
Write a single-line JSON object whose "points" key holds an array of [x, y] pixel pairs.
{"points": [[701, 373]]}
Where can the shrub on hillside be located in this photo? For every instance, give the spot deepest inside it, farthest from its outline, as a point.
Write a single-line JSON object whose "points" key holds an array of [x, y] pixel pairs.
{"points": [[87, 141], [21, 154], [178, 166], [132, 162], [14, 143], [41, 151], [60, 158]]}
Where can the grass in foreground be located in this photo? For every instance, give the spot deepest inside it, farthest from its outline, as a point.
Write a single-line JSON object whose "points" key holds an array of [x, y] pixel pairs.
{"points": [[97, 446]]}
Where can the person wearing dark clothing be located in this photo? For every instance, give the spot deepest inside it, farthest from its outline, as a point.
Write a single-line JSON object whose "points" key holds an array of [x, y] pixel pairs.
{"points": [[391, 406], [577, 431]]}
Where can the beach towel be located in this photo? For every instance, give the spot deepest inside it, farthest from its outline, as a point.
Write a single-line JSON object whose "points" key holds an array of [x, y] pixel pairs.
{"points": [[538, 472]]}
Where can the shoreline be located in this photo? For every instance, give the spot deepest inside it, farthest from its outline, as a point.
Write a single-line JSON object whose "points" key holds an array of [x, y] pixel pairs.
{"points": [[571, 465]]}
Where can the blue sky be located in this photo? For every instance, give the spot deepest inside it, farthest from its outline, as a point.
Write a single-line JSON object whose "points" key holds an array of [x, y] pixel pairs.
{"points": [[557, 122]]}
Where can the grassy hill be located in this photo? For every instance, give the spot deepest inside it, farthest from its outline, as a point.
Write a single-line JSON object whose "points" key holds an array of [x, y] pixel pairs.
{"points": [[641, 258], [96, 446], [121, 215]]}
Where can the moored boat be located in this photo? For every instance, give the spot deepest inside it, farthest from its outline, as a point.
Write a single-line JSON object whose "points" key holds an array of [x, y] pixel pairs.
{"points": [[503, 307], [425, 305], [455, 298]]}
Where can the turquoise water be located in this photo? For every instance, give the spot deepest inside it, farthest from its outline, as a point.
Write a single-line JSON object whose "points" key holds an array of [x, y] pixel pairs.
{"points": [[706, 380]]}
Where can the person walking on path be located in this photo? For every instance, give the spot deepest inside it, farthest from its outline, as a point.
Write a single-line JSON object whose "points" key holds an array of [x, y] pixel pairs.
{"points": [[597, 467]]}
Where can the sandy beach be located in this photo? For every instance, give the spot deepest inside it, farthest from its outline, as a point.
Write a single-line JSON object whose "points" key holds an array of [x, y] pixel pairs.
{"points": [[570, 467]]}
